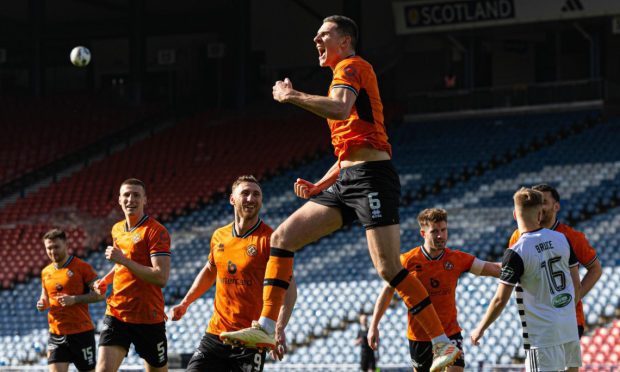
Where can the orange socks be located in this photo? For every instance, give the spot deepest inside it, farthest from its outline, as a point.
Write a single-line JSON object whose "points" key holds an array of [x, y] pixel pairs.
{"points": [[277, 277], [418, 302]]}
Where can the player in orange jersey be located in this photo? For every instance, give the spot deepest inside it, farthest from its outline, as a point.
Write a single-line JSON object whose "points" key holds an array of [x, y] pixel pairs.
{"points": [[586, 255], [65, 291], [237, 262], [439, 269], [362, 184], [135, 312]]}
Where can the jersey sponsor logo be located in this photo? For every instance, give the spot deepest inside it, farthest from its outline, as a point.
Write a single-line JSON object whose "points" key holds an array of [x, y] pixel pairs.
{"points": [[448, 265], [561, 300], [235, 281], [417, 267], [232, 268], [434, 283], [251, 251], [135, 238], [59, 287], [69, 273], [220, 247]]}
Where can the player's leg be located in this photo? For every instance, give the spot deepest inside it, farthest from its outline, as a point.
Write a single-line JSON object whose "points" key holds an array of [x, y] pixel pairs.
{"points": [[384, 247], [306, 225], [309, 223], [58, 353], [58, 367], [110, 357], [114, 344]]}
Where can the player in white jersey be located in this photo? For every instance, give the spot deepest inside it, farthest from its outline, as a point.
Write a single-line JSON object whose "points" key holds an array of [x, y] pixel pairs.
{"points": [[544, 264]]}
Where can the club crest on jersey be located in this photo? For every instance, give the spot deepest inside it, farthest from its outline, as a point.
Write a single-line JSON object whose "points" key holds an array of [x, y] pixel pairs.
{"points": [[135, 238], [448, 265], [69, 273], [220, 247], [251, 250]]}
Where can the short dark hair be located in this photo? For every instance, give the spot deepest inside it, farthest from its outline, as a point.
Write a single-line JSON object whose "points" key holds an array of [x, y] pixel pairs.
{"points": [[54, 234], [135, 182], [543, 187], [346, 26], [244, 178]]}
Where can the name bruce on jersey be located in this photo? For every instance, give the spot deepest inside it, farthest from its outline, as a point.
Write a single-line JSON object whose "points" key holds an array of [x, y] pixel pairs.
{"points": [[544, 246]]}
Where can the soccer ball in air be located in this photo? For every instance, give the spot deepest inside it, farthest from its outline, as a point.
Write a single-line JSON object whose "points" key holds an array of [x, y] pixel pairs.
{"points": [[80, 56]]}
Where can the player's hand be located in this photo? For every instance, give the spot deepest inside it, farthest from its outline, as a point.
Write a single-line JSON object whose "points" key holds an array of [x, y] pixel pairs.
{"points": [[177, 312], [373, 338], [114, 254], [305, 189], [65, 300], [282, 90], [42, 304], [278, 352], [100, 287], [476, 335]]}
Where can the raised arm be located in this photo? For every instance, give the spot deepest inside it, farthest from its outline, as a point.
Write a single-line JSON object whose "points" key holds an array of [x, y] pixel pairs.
{"points": [[205, 280], [381, 305], [336, 106]]}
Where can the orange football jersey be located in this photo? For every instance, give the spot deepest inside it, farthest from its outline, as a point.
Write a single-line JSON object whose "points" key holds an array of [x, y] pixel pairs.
{"points": [[73, 278], [364, 126], [439, 276], [586, 255], [241, 262], [133, 300]]}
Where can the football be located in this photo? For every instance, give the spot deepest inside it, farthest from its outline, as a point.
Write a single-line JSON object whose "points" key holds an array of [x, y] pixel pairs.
{"points": [[80, 56]]}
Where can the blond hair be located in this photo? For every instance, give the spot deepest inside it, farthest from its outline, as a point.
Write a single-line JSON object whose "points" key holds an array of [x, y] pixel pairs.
{"points": [[526, 199]]}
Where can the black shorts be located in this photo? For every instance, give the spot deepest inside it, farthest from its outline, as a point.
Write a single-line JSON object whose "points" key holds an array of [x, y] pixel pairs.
{"points": [[148, 339], [78, 349], [422, 353], [368, 192], [580, 330], [368, 360], [212, 355]]}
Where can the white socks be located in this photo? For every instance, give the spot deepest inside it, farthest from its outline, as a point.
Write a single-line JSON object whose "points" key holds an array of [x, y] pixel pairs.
{"points": [[269, 325], [442, 338]]}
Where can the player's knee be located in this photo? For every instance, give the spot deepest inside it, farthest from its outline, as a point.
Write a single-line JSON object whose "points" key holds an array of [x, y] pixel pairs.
{"points": [[280, 240], [387, 273]]}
